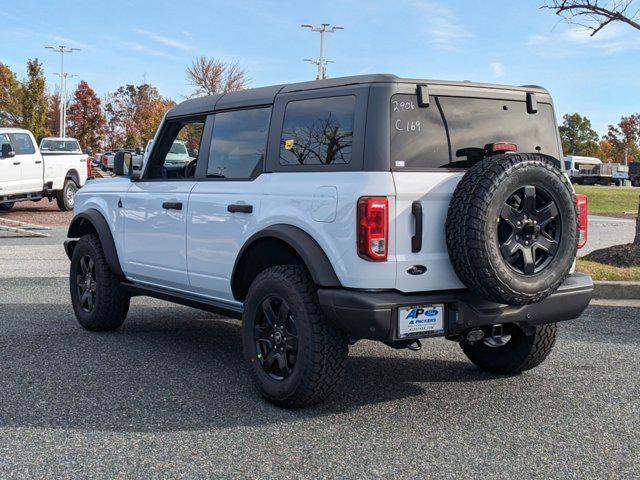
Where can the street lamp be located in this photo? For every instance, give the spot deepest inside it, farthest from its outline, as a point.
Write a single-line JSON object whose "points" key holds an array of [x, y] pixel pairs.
{"points": [[62, 49], [322, 29]]}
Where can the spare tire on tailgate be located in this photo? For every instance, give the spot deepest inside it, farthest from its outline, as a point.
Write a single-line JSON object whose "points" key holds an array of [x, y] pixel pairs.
{"points": [[512, 228]]}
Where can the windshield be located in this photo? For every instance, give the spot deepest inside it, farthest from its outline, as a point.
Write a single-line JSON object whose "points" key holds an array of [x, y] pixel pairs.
{"points": [[437, 136], [178, 148], [60, 145]]}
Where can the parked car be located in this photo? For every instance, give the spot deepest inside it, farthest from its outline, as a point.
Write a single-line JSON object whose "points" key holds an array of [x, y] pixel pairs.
{"points": [[634, 174], [325, 212], [26, 173]]}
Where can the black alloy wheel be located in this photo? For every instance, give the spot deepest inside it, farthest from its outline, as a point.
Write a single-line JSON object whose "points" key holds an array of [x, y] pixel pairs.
{"points": [[276, 338], [86, 283], [529, 230]]}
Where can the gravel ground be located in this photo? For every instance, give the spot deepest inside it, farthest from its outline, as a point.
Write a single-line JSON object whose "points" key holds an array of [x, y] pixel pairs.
{"points": [[167, 396]]}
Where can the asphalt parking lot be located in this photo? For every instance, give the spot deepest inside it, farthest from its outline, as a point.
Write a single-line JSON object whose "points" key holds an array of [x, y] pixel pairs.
{"points": [[168, 395]]}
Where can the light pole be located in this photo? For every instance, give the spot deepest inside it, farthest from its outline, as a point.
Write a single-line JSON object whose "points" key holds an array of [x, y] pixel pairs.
{"points": [[62, 49], [322, 29], [63, 103]]}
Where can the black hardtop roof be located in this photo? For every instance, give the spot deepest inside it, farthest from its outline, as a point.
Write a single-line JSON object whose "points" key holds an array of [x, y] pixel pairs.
{"points": [[266, 95]]}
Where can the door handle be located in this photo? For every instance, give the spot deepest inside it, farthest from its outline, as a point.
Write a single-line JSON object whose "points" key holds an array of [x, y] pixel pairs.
{"points": [[38, 161], [240, 208], [416, 240], [172, 205], [16, 163]]}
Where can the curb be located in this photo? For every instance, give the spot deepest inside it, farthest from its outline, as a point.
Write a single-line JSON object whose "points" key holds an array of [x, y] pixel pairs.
{"points": [[616, 290]]}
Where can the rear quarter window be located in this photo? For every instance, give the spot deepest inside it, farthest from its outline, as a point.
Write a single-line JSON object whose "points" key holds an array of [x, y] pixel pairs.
{"points": [[318, 131]]}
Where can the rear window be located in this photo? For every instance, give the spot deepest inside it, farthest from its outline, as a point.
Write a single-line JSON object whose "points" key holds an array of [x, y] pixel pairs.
{"points": [[49, 145], [318, 131], [425, 138]]}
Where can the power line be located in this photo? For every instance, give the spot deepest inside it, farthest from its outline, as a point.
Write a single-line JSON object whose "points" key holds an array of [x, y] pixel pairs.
{"points": [[62, 49], [321, 62]]}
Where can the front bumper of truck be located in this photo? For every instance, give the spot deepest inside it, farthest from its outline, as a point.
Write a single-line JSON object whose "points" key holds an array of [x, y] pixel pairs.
{"points": [[373, 314]]}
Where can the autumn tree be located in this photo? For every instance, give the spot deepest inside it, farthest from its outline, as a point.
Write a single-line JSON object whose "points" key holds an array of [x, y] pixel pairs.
{"points": [[133, 114], [10, 98], [34, 100], [594, 15], [86, 120], [578, 138], [625, 138], [53, 112], [209, 76]]}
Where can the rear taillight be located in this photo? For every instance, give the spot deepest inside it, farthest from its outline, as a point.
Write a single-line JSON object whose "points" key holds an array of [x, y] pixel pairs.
{"points": [[373, 228], [88, 166], [583, 219], [105, 160]]}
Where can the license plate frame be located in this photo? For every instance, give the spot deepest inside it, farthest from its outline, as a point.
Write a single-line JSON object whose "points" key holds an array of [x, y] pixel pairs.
{"points": [[423, 320]]}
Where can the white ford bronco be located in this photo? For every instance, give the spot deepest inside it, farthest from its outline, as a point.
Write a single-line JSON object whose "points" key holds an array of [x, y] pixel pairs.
{"points": [[56, 170], [325, 212]]}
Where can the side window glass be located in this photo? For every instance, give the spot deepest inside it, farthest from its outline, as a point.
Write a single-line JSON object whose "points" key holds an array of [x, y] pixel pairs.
{"points": [[177, 151], [238, 143], [318, 131], [4, 139], [22, 144]]}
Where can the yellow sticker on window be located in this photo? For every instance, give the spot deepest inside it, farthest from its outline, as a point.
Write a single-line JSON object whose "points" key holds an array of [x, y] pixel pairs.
{"points": [[288, 144]]}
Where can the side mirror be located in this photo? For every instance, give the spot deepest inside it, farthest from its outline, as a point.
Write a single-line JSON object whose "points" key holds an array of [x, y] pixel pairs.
{"points": [[7, 151], [138, 151], [122, 163]]}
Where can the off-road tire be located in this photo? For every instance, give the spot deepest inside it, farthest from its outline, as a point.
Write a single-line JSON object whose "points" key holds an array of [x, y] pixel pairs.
{"points": [[62, 196], [111, 300], [6, 206], [471, 222], [522, 352], [322, 349]]}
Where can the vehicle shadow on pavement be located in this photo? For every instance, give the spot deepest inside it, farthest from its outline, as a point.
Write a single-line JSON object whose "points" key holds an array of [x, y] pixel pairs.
{"points": [[173, 369]]}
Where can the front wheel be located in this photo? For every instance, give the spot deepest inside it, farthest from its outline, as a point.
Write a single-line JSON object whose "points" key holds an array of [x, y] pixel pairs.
{"points": [[295, 357], [514, 351], [6, 206], [65, 198], [99, 301]]}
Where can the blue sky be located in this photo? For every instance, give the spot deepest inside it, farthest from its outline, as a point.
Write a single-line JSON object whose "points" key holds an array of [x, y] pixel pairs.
{"points": [[497, 41]]}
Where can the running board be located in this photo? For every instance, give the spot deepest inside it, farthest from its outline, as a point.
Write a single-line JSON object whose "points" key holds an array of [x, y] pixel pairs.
{"points": [[183, 299]]}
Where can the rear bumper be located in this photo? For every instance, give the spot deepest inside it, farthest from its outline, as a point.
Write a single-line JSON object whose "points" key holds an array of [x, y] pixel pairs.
{"points": [[373, 314]]}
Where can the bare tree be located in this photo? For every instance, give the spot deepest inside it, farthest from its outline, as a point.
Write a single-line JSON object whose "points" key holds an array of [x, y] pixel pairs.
{"points": [[594, 15], [209, 76]]}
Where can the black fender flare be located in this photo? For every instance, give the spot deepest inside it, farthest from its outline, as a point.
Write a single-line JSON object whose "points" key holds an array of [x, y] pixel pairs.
{"points": [[305, 246], [86, 222]]}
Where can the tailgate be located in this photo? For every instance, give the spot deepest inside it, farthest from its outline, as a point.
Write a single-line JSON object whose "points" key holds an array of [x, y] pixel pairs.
{"points": [[433, 191]]}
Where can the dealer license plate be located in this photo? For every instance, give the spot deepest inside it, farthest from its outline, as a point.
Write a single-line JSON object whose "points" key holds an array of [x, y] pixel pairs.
{"points": [[421, 320]]}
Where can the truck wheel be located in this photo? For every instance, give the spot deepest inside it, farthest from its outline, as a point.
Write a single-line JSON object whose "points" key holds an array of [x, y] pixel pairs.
{"points": [[6, 206], [65, 198], [99, 301], [515, 351], [294, 356], [512, 228]]}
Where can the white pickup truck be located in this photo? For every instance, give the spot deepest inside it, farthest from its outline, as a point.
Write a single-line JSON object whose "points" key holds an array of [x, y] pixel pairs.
{"points": [[28, 174]]}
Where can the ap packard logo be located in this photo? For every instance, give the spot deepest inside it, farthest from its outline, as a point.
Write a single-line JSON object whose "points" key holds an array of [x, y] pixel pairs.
{"points": [[417, 312]]}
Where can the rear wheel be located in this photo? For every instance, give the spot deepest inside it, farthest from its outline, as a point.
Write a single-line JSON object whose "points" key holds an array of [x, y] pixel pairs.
{"points": [[514, 351], [295, 357], [65, 198], [6, 206], [99, 301]]}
